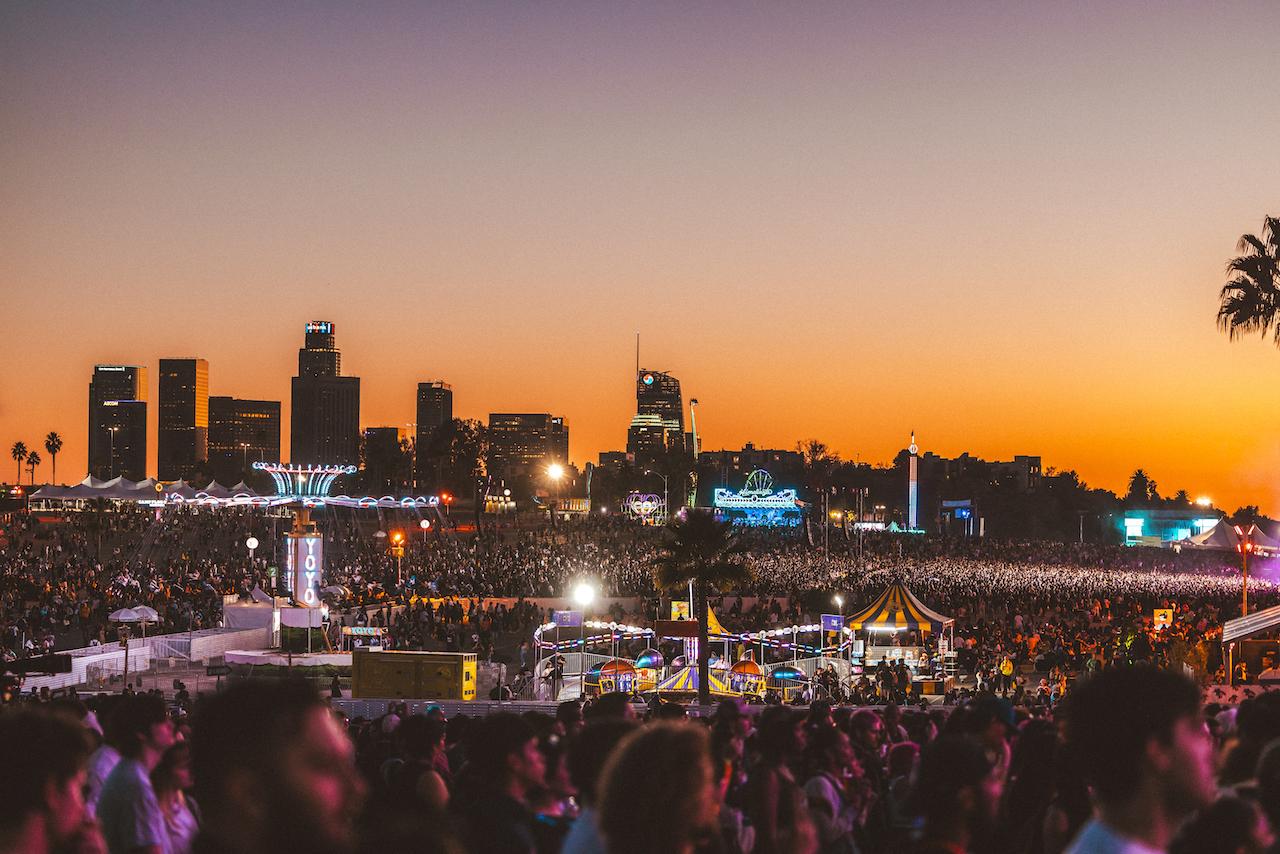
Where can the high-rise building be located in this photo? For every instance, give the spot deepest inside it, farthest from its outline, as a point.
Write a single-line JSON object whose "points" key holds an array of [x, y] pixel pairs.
{"points": [[324, 420], [435, 411], [523, 443], [183, 437], [319, 356], [658, 426], [386, 466], [241, 433], [118, 422]]}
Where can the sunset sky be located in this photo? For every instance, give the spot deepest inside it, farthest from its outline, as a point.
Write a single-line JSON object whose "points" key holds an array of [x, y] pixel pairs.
{"points": [[1002, 225]]}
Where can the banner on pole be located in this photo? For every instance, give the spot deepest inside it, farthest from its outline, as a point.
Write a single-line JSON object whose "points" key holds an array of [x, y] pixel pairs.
{"points": [[568, 619]]}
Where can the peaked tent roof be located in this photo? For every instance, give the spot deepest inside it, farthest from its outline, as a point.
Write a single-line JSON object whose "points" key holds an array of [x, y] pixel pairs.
{"points": [[1223, 536], [897, 607]]}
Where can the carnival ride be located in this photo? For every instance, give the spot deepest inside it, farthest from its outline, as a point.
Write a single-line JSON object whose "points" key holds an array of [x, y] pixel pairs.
{"points": [[858, 643]]}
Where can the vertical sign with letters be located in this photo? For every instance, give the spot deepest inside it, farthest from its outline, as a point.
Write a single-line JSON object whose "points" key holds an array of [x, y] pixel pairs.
{"points": [[305, 568]]}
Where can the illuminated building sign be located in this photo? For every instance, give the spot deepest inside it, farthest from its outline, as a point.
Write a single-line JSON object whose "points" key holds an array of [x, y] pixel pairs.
{"points": [[304, 568], [321, 326], [757, 504]]}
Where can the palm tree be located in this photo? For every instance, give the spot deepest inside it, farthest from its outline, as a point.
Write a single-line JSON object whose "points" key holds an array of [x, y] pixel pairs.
{"points": [[33, 460], [53, 444], [706, 552], [1250, 300], [19, 454]]}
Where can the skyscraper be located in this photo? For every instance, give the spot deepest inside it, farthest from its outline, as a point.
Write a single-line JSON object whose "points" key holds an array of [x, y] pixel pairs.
{"points": [[325, 415], [435, 411], [118, 422], [183, 438], [241, 433], [523, 443], [658, 426]]}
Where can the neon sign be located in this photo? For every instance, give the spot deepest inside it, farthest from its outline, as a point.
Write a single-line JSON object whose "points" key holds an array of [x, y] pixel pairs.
{"points": [[649, 508], [757, 504]]}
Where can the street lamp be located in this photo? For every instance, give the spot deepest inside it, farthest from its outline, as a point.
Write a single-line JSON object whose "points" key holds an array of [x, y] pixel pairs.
{"points": [[666, 501], [424, 525], [397, 548], [251, 544], [555, 473], [583, 595], [839, 602]]}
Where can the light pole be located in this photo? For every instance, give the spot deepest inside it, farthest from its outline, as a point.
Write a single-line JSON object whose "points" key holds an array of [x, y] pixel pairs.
{"points": [[1245, 547], [555, 473], [839, 600], [666, 500], [583, 595], [424, 525], [251, 544], [111, 464], [244, 459], [397, 549]]}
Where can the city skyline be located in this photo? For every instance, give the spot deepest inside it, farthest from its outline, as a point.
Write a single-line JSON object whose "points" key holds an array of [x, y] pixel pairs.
{"points": [[1004, 229]]}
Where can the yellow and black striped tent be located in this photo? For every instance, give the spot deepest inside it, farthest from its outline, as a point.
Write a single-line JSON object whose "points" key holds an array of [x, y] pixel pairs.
{"points": [[898, 608]]}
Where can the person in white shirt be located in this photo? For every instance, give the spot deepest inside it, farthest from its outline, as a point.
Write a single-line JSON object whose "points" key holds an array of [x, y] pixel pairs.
{"points": [[1145, 752]]}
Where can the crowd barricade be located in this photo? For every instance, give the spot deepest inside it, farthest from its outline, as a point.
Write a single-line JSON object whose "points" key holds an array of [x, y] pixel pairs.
{"points": [[101, 667]]}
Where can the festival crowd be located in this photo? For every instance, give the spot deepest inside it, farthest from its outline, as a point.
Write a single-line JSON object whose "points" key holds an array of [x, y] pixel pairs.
{"points": [[1043, 605], [1130, 762]]}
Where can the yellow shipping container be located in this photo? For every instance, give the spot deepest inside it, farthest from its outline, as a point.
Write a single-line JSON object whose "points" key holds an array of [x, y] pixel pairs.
{"points": [[410, 675]]}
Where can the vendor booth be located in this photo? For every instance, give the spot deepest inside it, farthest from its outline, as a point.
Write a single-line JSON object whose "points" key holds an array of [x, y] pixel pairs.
{"points": [[898, 610]]}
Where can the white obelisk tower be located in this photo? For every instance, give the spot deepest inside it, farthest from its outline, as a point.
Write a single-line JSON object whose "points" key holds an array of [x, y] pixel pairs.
{"points": [[913, 486]]}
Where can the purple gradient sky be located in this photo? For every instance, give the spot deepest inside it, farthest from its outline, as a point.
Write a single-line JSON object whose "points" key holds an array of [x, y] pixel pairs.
{"points": [[1001, 225]]}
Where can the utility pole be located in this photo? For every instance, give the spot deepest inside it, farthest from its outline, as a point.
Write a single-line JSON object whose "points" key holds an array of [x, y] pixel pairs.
{"points": [[1246, 546]]}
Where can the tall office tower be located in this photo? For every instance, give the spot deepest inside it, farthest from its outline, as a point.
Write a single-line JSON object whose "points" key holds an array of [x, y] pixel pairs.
{"points": [[524, 443], [241, 433], [435, 411], [183, 438], [319, 356], [658, 425], [324, 420], [118, 422]]}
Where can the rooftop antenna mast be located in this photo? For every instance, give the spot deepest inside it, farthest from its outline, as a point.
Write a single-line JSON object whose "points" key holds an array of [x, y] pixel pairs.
{"points": [[637, 353]]}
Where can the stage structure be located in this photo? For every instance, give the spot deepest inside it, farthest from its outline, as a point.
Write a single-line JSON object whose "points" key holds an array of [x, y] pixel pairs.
{"points": [[757, 504]]}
